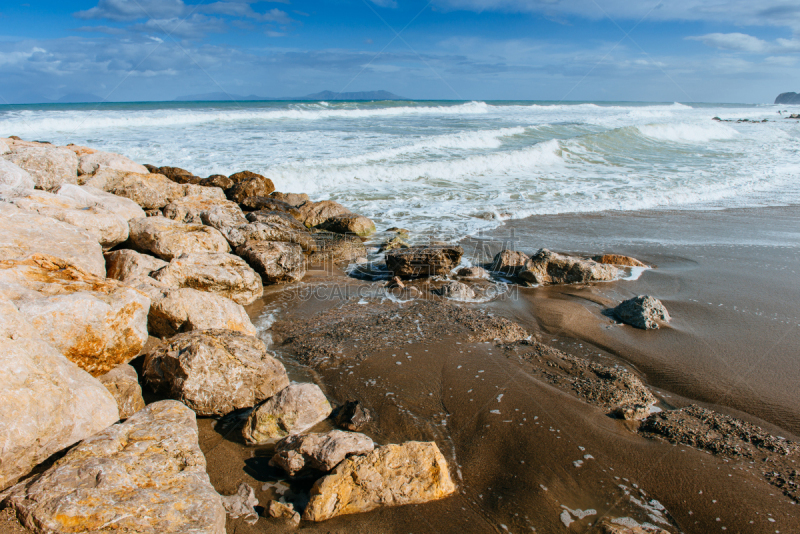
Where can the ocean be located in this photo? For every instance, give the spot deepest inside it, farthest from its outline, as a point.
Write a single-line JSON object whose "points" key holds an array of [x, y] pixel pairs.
{"points": [[456, 168]]}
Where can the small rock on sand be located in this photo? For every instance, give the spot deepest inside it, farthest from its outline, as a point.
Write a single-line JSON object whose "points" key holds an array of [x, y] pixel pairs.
{"points": [[293, 410], [642, 312], [242, 504], [353, 416], [322, 452], [456, 291]]}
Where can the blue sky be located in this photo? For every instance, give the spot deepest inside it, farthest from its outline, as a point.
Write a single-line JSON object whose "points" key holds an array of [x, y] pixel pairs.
{"points": [[129, 50]]}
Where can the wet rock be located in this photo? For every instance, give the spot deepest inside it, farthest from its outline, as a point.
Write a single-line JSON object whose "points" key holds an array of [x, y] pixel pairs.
{"points": [[399, 231], [186, 310], [168, 239], [626, 525], [95, 322], [178, 175], [293, 199], [192, 209], [322, 452], [280, 218], [418, 262], [473, 273], [546, 267], [509, 262], [283, 511], [255, 186], [393, 243], [334, 248], [87, 197], [276, 262], [292, 411], [353, 416], [128, 265], [456, 291], [392, 475], [349, 224], [23, 233], [243, 176], [218, 180], [107, 228], [91, 163], [214, 372], [14, 179], [150, 191], [631, 412], [618, 259], [146, 475], [47, 403], [123, 384], [50, 167], [315, 213], [220, 273], [642, 312], [261, 231], [395, 283], [263, 203], [242, 504]]}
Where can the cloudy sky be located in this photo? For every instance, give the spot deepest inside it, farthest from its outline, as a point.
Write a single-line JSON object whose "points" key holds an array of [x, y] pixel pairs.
{"points": [[639, 50]]}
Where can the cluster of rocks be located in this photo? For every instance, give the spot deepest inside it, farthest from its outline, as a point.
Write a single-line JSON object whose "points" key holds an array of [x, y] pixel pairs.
{"points": [[98, 255]]}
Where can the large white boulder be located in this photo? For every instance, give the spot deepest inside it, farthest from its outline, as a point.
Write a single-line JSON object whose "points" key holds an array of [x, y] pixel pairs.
{"points": [[48, 165], [88, 196], [91, 163]]}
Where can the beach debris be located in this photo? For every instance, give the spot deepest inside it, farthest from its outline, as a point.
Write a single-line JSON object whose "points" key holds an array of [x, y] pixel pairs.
{"points": [[353, 416], [546, 268], [146, 475], [285, 511], [173, 311], [473, 273], [322, 452], [509, 262], [123, 384], [220, 273], [214, 372], [277, 262], [618, 259], [642, 312], [349, 223], [47, 403], [424, 261], [456, 291], [95, 322], [392, 475], [293, 410], [242, 504], [169, 239]]}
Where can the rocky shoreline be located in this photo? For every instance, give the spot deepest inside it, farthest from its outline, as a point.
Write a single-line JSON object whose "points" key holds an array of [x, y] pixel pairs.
{"points": [[125, 291]]}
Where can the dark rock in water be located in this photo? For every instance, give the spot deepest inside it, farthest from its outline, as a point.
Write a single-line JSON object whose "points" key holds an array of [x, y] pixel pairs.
{"points": [[546, 267], [265, 203], [293, 199], [218, 180], [473, 273], [642, 312], [419, 262], [178, 175], [509, 261], [276, 262], [257, 186], [788, 98], [456, 291], [353, 416], [275, 217]]}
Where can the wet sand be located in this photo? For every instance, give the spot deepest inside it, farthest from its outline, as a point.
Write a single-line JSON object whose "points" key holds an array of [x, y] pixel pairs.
{"points": [[522, 448]]}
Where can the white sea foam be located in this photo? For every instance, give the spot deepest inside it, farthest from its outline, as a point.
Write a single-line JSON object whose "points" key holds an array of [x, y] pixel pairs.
{"points": [[689, 133]]}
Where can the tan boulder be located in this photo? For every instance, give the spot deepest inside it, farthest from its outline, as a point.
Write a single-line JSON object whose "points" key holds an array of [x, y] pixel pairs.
{"points": [[509, 261], [185, 310], [293, 199], [128, 265], [316, 213], [275, 262], [169, 239], [418, 262], [322, 452], [546, 267], [123, 384], [269, 231], [47, 403], [108, 228], [88, 196], [220, 273], [618, 259], [281, 218], [90, 163], [146, 475], [215, 372], [95, 322], [14, 180], [48, 165], [150, 191], [392, 475], [285, 511], [473, 273], [270, 204], [192, 209], [292, 411], [336, 248], [23, 233], [350, 224], [253, 186]]}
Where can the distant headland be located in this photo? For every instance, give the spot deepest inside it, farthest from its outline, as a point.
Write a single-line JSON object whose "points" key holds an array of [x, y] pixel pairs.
{"points": [[324, 95], [788, 98]]}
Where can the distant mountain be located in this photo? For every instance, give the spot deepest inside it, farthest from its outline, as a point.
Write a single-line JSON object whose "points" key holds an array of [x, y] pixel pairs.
{"points": [[788, 98], [79, 98], [324, 95]]}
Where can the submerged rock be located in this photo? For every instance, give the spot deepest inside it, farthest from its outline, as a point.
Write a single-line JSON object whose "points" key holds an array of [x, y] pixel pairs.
{"points": [[546, 267], [418, 262], [642, 312], [242, 504], [174, 311], [47, 403], [276, 262], [456, 291], [168, 239], [353, 416], [295, 409], [123, 384], [215, 371], [322, 452], [509, 262], [220, 273], [392, 475], [146, 475]]}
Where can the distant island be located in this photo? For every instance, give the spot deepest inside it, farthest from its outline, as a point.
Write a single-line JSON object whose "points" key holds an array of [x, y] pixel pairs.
{"points": [[788, 98], [324, 95]]}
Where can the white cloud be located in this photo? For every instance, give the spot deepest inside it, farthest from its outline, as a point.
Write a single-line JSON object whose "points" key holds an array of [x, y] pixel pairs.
{"points": [[741, 42], [385, 3]]}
